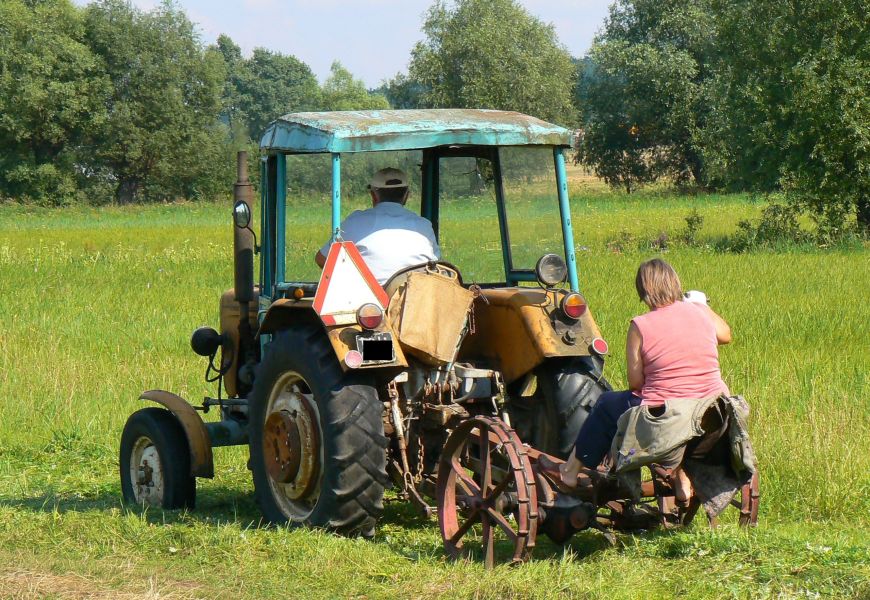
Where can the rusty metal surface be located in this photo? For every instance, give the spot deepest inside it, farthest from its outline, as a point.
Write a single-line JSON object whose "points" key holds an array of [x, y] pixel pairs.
{"points": [[285, 313], [378, 130], [501, 496], [514, 331], [230, 313], [201, 459], [618, 509], [282, 446], [291, 448], [243, 239], [749, 500]]}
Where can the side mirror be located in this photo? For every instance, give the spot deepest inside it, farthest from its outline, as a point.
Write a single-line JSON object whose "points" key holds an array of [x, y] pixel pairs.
{"points": [[241, 214]]}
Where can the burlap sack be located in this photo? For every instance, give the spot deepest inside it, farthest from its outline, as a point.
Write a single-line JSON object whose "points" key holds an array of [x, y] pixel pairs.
{"points": [[429, 312]]}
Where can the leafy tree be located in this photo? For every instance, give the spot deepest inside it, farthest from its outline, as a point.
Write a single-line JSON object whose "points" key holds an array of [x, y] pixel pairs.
{"points": [[643, 94], [233, 101], [269, 85], [160, 135], [493, 54], [791, 102], [342, 92], [51, 86], [635, 99], [402, 92]]}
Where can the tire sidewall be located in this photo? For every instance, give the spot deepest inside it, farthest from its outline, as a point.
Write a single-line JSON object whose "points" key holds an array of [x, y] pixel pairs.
{"points": [[569, 391], [325, 379], [166, 434]]}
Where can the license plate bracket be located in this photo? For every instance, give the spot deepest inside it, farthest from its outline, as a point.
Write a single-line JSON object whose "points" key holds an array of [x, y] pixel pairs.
{"points": [[376, 348]]}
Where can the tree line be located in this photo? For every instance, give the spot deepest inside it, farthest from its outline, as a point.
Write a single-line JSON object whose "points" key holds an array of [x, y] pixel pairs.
{"points": [[110, 103]]}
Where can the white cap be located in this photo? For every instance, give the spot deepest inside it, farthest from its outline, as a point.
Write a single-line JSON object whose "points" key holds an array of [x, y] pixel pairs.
{"points": [[389, 178]]}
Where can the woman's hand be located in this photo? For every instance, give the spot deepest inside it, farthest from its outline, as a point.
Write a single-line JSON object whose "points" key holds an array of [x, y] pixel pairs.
{"points": [[723, 331]]}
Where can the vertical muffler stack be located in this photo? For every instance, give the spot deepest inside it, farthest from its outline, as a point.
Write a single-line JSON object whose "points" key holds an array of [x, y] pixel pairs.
{"points": [[243, 249]]}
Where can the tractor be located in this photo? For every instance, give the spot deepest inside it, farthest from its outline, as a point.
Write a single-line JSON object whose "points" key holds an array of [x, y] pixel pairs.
{"points": [[438, 382]]}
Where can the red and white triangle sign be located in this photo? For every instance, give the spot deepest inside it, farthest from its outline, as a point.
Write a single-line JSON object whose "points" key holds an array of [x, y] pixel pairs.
{"points": [[346, 284]]}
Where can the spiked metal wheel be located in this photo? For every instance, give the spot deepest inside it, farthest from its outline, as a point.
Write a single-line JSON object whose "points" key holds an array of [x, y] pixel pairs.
{"points": [[486, 491]]}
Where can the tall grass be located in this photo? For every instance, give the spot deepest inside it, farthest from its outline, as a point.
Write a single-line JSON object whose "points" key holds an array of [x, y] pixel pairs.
{"points": [[98, 306]]}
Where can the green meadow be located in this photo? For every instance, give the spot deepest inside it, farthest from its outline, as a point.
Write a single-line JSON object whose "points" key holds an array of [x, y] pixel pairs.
{"points": [[98, 305]]}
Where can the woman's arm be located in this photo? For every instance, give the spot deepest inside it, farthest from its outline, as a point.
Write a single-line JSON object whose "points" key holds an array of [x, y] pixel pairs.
{"points": [[633, 360], [723, 331]]}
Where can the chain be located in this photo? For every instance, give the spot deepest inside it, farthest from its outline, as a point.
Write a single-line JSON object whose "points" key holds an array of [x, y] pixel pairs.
{"points": [[478, 293], [418, 476]]}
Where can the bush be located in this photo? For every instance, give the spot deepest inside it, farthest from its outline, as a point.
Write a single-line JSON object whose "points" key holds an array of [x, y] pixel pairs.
{"points": [[694, 222], [778, 226]]}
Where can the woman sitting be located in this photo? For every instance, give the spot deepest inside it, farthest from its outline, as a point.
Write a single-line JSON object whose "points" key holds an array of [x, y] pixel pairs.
{"points": [[671, 353]]}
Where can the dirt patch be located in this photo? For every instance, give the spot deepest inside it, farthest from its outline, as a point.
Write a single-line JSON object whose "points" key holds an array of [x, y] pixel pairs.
{"points": [[23, 584], [580, 174]]}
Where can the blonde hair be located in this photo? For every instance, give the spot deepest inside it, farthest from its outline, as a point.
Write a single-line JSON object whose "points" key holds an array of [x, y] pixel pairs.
{"points": [[657, 283]]}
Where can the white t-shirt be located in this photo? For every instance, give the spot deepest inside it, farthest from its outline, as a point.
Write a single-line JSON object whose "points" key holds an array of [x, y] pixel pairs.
{"points": [[390, 238]]}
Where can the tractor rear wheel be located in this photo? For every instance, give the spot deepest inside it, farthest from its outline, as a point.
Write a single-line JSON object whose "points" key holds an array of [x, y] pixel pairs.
{"points": [[317, 444], [567, 391], [155, 461]]}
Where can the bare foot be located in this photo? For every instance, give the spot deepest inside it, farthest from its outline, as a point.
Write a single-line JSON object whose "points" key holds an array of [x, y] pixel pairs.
{"points": [[568, 477], [682, 486]]}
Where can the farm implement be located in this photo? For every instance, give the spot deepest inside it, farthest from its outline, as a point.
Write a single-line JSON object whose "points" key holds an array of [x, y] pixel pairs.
{"points": [[450, 391]]}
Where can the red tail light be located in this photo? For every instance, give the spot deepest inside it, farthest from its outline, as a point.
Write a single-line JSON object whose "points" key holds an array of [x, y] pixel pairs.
{"points": [[370, 316], [573, 305], [599, 346]]}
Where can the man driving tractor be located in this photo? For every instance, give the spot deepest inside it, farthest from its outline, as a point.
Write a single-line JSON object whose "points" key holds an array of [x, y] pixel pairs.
{"points": [[389, 236]]}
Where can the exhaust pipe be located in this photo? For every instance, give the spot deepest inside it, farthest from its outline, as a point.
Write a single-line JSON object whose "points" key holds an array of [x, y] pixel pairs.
{"points": [[243, 238], [243, 259]]}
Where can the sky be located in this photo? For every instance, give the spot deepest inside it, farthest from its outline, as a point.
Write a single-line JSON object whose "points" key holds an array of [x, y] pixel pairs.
{"points": [[371, 38]]}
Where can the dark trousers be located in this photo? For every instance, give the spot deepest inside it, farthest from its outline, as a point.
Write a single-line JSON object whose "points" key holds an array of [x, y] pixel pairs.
{"points": [[597, 432]]}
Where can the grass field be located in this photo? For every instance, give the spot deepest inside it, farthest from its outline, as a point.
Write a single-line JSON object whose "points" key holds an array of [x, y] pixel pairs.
{"points": [[98, 305]]}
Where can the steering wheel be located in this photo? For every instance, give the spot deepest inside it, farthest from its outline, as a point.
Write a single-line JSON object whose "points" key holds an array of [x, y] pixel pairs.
{"points": [[441, 267]]}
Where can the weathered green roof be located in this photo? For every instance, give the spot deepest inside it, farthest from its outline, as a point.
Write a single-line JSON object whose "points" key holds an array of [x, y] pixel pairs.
{"points": [[373, 130]]}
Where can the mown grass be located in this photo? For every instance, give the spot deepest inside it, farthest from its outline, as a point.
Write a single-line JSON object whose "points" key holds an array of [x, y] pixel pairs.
{"points": [[97, 305]]}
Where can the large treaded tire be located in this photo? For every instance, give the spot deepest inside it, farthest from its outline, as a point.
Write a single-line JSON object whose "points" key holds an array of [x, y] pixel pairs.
{"points": [[159, 429], [352, 442], [569, 390]]}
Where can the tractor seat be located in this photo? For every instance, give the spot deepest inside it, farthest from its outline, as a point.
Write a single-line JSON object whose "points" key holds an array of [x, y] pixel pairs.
{"points": [[433, 266]]}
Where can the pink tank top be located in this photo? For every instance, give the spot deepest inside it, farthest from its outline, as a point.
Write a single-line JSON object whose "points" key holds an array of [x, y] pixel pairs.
{"points": [[680, 354]]}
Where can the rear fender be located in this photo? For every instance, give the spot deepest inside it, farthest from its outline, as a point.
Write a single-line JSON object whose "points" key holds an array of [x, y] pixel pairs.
{"points": [[201, 459], [518, 328], [286, 314]]}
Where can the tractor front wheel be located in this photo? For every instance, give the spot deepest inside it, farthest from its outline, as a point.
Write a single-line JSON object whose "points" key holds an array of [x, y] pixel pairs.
{"points": [[317, 444], [155, 461]]}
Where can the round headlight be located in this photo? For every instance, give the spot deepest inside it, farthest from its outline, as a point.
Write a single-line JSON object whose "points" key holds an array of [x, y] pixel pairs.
{"points": [[551, 270]]}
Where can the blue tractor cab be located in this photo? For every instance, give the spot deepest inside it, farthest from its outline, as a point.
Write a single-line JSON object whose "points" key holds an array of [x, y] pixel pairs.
{"points": [[439, 134]]}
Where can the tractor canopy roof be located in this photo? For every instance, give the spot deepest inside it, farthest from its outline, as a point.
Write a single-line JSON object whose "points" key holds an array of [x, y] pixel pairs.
{"points": [[378, 130]]}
